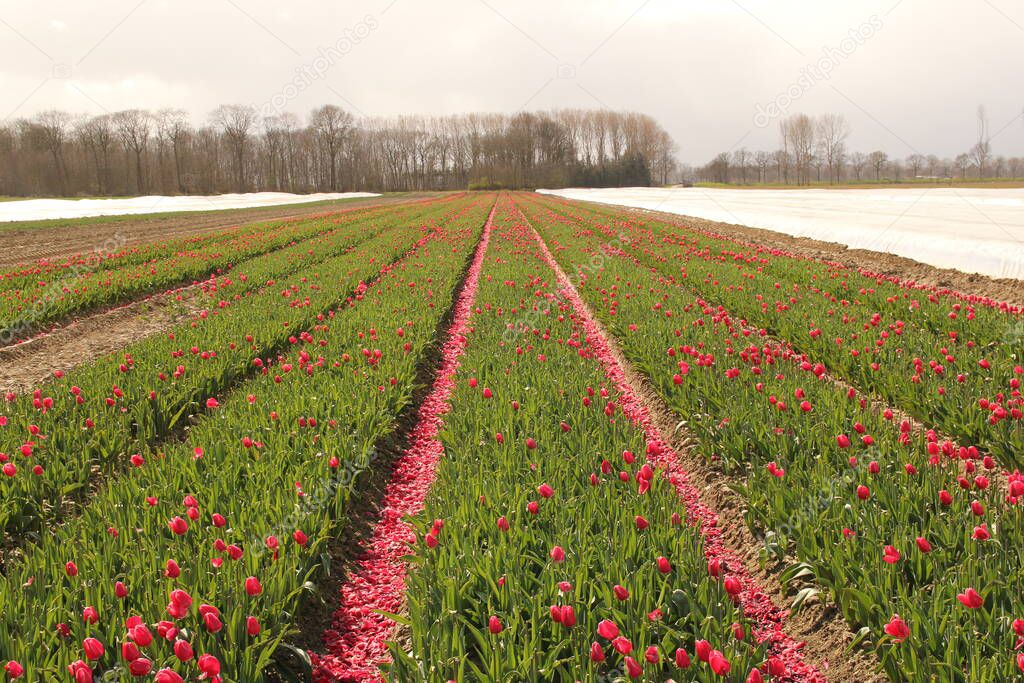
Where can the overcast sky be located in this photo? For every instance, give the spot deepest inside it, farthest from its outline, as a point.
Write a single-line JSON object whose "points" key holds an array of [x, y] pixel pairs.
{"points": [[908, 74]]}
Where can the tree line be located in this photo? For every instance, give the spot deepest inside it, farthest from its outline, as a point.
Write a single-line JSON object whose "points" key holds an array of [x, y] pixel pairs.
{"points": [[814, 150], [135, 152]]}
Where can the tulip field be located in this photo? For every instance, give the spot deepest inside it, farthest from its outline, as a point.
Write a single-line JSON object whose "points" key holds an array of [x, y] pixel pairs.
{"points": [[527, 378]]}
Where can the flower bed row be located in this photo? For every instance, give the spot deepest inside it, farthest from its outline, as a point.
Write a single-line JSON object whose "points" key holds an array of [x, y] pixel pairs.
{"points": [[911, 537], [954, 362], [35, 295], [553, 545], [96, 419], [193, 565]]}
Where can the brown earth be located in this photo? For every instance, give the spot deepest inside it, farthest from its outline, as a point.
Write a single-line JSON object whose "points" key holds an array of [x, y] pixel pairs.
{"points": [[27, 365], [29, 244]]}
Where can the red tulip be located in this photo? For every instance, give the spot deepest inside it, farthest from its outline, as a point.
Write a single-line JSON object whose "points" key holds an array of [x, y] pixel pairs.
{"points": [[596, 652], [863, 492], [140, 667], [93, 648], [970, 598], [253, 586], [719, 664], [622, 645], [923, 545], [14, 670], [71, 569], [664, 566], [568, 616], [732, 586], [633, 668], [755, 677], [252, 626], [891, 555], [607, 629], [545, 491], [140, 634], [557, 554], [212, 622], [843, 440], [652, 655], [620, 592], [503, 524], [641, 523], [178, 526], [682, 659], [209, 665], [168, 676], [183, 650], [703, 650], [897, 628], [300, 538], [494, 625], [80, 671]]}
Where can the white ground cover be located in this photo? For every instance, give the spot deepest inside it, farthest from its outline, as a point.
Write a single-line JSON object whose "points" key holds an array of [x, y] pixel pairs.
{"points": [[41, 209], [973, 230]]}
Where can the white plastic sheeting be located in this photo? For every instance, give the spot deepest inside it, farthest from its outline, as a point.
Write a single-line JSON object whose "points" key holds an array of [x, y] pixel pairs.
{"points": [[42, 209], [973, 230]]}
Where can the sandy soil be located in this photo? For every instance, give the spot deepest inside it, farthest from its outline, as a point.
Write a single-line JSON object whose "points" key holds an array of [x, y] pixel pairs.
{"points": [[25, 366]]}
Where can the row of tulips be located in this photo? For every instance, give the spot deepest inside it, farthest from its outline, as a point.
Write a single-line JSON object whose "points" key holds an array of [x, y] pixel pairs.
{"points": [[553, 545], [916, 540], [32, 296], [194, 565], [952, 361], [97, 419]]}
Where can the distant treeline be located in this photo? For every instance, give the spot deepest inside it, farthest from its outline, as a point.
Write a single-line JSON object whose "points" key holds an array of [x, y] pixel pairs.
{"points": [[139, 152], [813, 150]]}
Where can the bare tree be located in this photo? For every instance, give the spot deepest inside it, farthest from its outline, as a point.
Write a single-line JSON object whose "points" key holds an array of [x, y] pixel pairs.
{"points": [[833, 130], [858, 160], [332, 125], [174, 129], [133, 127], [962, 162], [982, 149], [236, 122], [877, 160], [762, 160], [740, 159], [96, 135], [798, 133], [915, 162], [50, 130]]}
